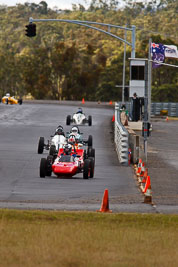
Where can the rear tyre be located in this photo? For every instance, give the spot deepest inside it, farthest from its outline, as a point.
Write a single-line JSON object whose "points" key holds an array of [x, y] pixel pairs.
{"points": [[20, 101], [89, 120], [90, 140], [41, 145], [92, 167], [49, 163], [43, 164], [68, 120], [86, 169]]}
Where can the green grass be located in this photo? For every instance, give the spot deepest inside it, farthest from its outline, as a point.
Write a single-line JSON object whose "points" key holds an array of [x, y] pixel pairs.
{"points": [[48, 238]]}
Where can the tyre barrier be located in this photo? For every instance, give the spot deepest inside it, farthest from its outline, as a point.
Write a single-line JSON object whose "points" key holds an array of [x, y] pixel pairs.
{"points": [[144, 181]]}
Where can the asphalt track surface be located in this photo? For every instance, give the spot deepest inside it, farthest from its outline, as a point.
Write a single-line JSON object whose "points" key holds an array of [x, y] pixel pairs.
{"points": [[163, 161], [20, 184]]}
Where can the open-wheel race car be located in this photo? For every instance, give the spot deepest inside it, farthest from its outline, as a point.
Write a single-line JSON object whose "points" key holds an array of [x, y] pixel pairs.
{"points": [[58, 140], [79, 118], [68, 162], [7, 99]]}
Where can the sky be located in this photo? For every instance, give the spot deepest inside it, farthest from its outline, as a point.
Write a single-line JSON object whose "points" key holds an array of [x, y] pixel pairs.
{"points": [[61, 4]]}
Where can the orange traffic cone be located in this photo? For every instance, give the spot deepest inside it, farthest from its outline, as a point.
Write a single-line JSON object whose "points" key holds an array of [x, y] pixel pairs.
{"points": [[113, 118], [142, 180], [148, 195], [83, 101], [148, 183], [110, 102], [139, 162], [105, 202], [142, 169], [144, 177], [167, 118]]}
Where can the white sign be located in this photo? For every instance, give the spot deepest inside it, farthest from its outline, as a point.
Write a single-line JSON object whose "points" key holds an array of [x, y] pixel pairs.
{"points": [[171, 51]]}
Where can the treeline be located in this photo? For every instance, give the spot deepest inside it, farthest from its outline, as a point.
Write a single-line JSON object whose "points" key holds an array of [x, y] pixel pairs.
{"points": [[66, 61]]}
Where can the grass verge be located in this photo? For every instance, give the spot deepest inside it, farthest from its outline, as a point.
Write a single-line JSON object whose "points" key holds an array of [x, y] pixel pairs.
{"points": [[48, 238]]}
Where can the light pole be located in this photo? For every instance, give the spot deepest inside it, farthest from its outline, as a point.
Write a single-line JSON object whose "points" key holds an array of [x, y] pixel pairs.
{"points": [[123, 78]]}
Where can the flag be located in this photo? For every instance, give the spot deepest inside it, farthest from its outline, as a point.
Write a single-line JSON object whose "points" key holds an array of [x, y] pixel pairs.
{"points": [[158, 54], [171, 51]]}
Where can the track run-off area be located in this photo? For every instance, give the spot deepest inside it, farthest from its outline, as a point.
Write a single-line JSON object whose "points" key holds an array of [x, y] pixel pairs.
{"points": [[20, 184]]}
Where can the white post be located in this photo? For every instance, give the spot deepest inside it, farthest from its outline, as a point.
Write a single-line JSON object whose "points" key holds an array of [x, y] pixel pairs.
{"points": [[123, 78]]}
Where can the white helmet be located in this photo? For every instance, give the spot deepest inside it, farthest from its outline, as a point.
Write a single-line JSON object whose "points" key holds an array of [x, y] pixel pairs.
{"points": [[74, 130]]}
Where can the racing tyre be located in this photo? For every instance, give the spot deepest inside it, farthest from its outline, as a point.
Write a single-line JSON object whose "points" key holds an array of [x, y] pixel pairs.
{"points": [[52, 150], [92, 166], [20, 101], [90, 140], [86, 169], [68, 120], [89, 120], [7, 101], [84, 155], [49, 163], [43, 164], [91, 152], [41, 145]]}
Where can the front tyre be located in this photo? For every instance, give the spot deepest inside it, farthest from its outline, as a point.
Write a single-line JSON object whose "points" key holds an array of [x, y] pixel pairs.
{"points": [[86, 169], [89, 120], [41, 145], [43, 164], [49, 163], [90, 140], [91, 152]]}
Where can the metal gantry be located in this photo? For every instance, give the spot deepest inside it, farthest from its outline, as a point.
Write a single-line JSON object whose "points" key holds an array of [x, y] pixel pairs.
{"points": [[88, 25]]}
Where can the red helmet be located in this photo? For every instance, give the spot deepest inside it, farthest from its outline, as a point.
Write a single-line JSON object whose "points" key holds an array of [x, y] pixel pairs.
{"points": [[72, 138]]}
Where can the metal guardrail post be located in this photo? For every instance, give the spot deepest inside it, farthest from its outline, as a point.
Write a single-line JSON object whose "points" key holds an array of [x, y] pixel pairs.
{"points": [[121, 138]]}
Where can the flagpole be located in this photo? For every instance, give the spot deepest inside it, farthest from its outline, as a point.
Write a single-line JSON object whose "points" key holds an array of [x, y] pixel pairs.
{"points": [[149, 79]]}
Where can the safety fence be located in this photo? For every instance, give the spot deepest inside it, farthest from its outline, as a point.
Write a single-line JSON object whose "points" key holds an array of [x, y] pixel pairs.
{"points": [[157, 107], [121, 138]]}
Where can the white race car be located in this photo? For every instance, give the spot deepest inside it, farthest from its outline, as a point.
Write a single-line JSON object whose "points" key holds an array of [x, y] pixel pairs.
{"points": [[79, 118], [57, 141]]}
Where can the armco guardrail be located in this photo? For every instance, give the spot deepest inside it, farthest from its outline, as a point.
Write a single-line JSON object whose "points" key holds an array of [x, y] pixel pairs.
{"points": [[172, 108], [121, 138], [156, 108]]}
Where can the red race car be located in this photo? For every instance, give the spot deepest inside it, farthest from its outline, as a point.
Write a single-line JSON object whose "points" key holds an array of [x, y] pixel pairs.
{"points": [[68, 162]]}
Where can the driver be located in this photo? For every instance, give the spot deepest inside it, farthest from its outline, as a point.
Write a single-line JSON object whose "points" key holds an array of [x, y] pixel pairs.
{"points": [[79, 111], [72, 138], [67, 150], [75, 131], [59, 130]]}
